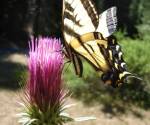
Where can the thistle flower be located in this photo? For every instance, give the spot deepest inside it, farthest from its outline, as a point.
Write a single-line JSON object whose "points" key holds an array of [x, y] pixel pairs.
{"points": [[44, 94], [45, 67]]}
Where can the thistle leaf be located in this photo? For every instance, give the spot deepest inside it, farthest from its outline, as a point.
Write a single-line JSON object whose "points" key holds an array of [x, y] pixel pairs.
{"points": [[24, 120], [22, 114], [67, 106], [64, 114], [31, 121]]}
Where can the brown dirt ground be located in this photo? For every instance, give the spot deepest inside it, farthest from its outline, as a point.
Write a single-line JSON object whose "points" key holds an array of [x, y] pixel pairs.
{"points": [[9, 108]]}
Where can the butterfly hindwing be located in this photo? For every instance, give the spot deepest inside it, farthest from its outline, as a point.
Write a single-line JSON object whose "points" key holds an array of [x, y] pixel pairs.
{"points": [[107, 22]]}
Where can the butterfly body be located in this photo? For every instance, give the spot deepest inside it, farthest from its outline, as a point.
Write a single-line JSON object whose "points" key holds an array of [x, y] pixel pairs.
{"points": [[89, 35]]}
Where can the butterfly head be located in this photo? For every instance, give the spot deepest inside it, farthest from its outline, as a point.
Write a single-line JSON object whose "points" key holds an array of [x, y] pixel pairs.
{"points": [[115, 79]]}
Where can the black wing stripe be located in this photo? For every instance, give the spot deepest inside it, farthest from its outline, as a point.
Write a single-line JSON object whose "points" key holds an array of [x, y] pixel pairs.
{"points": [[68, 13], [72, 18], [81, 42], [77, 64], [98, 36], [103, 51], [69, 31], [91, 47], [68, 7], [92, 13]]}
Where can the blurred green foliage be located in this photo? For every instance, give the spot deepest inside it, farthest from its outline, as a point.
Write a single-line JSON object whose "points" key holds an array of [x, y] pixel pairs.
{"points": [[137, 54], [144, 27]]}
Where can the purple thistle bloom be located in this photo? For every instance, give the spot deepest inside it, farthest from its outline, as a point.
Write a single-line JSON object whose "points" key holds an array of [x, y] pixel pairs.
{"points": [[44, 96], [45, 63]]}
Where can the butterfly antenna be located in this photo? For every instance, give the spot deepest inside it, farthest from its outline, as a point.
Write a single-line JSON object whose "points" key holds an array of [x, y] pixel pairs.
{"points": [[134, 76]]}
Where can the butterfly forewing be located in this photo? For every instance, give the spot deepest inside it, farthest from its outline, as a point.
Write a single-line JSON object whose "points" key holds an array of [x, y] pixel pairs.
{"points": [[79, 17]]}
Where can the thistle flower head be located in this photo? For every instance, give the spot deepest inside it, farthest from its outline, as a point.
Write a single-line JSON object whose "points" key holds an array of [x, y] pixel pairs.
{"points": [[45, 67], [44, 96]]}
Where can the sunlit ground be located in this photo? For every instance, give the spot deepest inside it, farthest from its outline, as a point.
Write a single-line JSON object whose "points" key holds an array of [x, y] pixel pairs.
{"points": [[106, 115]]}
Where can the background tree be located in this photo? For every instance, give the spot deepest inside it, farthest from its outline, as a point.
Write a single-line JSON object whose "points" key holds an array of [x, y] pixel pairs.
{"points": [[19, 18]]}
